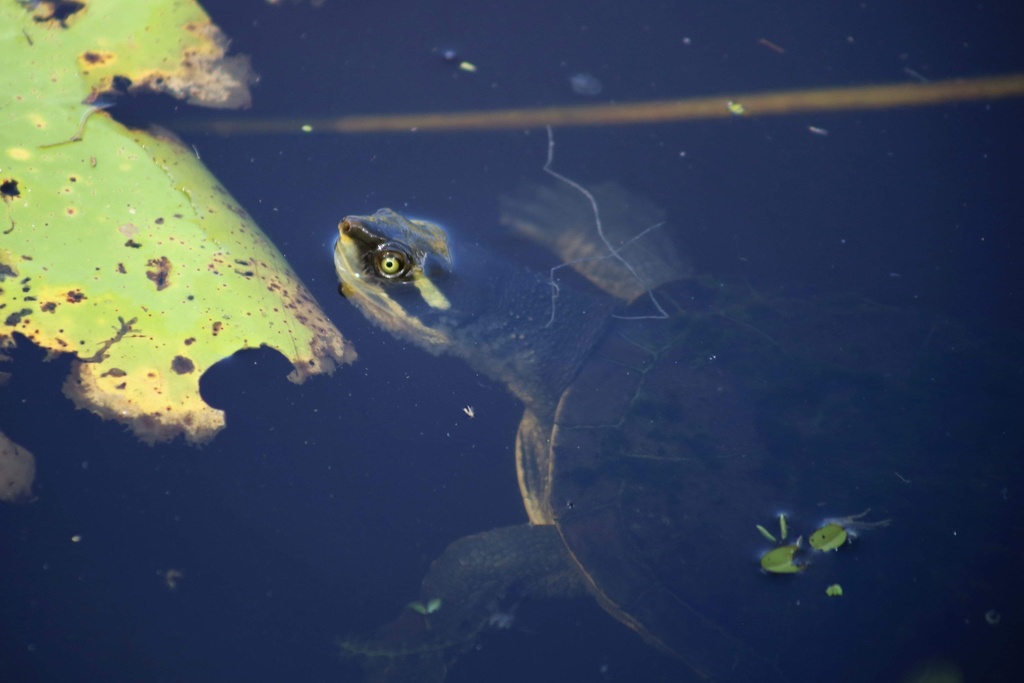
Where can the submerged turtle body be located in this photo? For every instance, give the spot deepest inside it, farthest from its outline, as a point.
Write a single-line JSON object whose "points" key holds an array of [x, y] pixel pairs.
{"points": [[655, 459], [639, 457]]}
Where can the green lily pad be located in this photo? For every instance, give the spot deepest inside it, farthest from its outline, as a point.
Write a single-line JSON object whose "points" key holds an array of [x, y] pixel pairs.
{"points": [[118, 246], [828, 537], [782, 560]]}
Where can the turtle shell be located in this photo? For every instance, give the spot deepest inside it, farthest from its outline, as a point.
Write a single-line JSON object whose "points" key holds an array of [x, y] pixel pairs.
{"points": [[657, 470]]}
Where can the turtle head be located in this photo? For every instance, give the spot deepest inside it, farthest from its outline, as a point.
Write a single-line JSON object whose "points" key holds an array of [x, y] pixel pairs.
{"points": [[390, 267], [490, 311]]}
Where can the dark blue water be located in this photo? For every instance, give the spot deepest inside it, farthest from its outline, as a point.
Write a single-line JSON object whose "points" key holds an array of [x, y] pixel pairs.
{"points": [[299, 523]]}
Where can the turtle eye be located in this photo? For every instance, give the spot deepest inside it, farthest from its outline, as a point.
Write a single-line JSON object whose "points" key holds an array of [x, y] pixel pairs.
{"points": [[390, 263]]}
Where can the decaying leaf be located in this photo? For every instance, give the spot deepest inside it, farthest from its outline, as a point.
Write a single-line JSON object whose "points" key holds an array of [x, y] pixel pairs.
{"points": [[117, 245]]}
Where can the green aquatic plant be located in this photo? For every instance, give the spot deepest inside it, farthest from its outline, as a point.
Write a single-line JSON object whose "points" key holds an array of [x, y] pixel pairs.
{"points": [[837, 530], [767, 534], [831, 536], [429, 607], [828, 537], [117, 246], [782, 560]]}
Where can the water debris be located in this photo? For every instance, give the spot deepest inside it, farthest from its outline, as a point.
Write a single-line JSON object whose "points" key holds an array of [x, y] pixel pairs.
{"points": [[172, 577], [429, 607], [585, 84], [915, 75], [735, 108], [771, 46]]}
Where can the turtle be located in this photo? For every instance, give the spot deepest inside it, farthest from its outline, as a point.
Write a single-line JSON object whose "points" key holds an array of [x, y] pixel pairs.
{"points": [[639, 457]]}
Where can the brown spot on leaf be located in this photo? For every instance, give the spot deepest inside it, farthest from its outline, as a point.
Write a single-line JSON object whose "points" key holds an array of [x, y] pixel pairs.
{"points": [[182, 365], [60, 11], [217, 326], [114, 372], [9, 189], [15, 318], [237, 210], [94, 58], [160, 272], [48, 307], [75, 296], [132, 244], [121, 83]]}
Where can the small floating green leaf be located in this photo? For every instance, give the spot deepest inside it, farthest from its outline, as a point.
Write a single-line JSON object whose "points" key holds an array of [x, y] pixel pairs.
{"points": [[781, 560], [783, 528], [767, 534], [834, 591], [828, 537], [430, 607]]}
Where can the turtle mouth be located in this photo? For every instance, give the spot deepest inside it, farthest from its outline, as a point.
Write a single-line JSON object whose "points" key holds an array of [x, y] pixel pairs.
{"points": [[354, 229], [354, 240]]}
